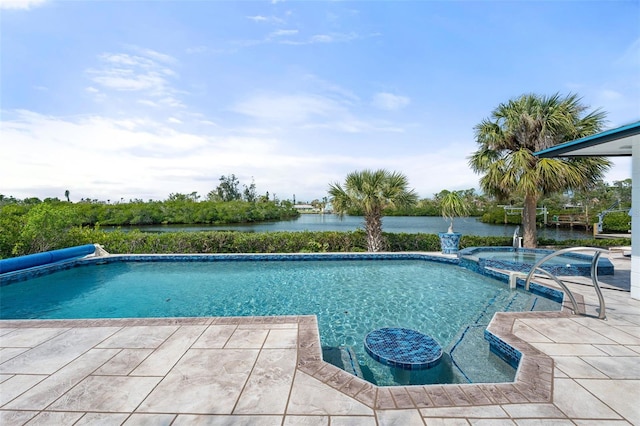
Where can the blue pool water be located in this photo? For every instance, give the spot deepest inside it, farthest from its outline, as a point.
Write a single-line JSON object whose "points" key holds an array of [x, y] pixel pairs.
{"points": [[350, 298]]}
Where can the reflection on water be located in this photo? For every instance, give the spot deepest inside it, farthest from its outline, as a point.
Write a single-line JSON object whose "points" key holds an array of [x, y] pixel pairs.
{"points": [[396, 224]]}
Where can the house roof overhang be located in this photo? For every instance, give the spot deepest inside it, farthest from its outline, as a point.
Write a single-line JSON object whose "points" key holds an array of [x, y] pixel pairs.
{"points": [[616, 142]]}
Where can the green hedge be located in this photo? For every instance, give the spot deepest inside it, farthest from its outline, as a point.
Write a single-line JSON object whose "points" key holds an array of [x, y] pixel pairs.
{"points": [[263, 242], [119, 242], [221, 241], [616, 222], [136, 242]]}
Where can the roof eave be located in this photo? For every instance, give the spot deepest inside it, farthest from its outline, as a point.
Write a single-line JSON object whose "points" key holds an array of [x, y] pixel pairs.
{"points": [[566, 149]]}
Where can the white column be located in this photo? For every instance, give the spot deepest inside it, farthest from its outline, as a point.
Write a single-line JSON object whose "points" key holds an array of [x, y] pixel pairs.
{"points": [[635, 218]]}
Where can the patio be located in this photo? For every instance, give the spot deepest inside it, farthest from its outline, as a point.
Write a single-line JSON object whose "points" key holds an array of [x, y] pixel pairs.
{"points": [[268, 371]]}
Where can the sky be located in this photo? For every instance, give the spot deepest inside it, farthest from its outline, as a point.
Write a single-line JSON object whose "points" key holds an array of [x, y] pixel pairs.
{"points": [[119, 100]]}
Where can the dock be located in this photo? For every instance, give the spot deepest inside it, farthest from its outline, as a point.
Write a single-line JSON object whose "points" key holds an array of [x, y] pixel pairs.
{"points": [[571, 220]]}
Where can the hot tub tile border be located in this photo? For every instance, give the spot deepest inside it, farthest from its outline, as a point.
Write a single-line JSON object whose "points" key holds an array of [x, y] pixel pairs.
{"points": [[605, 267]]}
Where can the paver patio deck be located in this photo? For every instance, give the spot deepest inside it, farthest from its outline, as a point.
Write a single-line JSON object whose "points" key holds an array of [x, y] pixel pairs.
{"points": [[268, 371]]}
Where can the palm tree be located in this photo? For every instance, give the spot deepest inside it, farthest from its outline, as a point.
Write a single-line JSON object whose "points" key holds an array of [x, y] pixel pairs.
{"points": [[453, 205], [371, 192], [525, 125]]}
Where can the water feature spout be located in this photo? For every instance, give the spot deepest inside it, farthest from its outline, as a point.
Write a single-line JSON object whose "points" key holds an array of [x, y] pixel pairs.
{"points": [[517, 241]]}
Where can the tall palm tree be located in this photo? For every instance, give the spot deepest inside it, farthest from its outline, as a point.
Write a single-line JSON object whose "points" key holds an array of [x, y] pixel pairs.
{"points": [[519, 128], [371, 192]]}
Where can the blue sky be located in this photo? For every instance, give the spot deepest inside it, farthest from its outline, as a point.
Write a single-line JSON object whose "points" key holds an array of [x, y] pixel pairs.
{"points": [[120, 99]]}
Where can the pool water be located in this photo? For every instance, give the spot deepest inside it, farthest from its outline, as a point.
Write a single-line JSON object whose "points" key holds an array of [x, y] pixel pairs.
{"points": [[532, 258], [349, 297]]}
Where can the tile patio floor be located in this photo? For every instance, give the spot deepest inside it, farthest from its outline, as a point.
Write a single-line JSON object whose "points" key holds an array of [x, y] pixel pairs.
{"points": [[268, 371]]}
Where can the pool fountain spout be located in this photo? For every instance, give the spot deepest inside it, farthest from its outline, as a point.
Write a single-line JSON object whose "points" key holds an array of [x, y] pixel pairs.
{"points": [[517, 241]]}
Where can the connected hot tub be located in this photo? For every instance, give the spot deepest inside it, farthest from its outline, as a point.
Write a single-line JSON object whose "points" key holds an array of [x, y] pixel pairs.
{"points": [[523, 259]]}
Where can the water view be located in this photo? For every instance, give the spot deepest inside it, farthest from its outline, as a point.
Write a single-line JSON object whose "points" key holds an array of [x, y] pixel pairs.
{"points": [[396, 224]]}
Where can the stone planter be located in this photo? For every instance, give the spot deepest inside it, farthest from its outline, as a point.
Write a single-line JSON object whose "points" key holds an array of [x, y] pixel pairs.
{"points": [[449, 242]]}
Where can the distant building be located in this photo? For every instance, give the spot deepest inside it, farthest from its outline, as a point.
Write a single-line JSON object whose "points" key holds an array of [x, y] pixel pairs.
{"points": [[306, 208]]}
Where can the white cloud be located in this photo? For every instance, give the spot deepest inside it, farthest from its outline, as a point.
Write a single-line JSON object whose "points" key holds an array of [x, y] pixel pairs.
{"points": [[145, 73], [258, 18], [389, 101], [283, 33], [174, 120], [99, 157], [288, 36], [147, 102], [128, 80], [20, 4], [155, 55], [287, 108], [331, 89], [106, 158], [330, 111], [322, 38], [620, 170], [268, 19]]}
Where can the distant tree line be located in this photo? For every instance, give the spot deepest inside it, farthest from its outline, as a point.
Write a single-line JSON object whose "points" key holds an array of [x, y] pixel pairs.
{"points": [[33, 225], [489, 209]]}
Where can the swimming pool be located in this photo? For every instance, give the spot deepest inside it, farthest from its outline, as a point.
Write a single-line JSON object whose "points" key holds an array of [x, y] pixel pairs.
{"points": [[351, 295], [523, 259]]}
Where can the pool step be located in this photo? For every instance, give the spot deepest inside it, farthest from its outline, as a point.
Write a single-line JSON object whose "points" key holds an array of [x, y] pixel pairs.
{"points": [[342, 357], [473, 361]]}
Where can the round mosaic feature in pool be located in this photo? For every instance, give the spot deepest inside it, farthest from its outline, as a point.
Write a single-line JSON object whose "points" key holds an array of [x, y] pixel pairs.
{"points": [[403, 348]]}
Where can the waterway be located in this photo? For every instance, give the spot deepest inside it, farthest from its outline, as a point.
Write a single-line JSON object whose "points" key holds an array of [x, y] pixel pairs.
{"points": [[395, 224]]}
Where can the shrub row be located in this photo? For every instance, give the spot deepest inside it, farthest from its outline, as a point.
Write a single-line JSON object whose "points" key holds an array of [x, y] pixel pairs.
{"points": [[119, 242]]}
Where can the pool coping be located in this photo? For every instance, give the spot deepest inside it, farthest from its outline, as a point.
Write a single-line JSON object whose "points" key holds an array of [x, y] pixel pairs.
{"points": [[533, 381]]}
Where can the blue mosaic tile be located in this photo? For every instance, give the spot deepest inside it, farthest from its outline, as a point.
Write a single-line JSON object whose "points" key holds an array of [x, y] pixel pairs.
{"points": [[403, 348], [449, 242], [503, 350]]}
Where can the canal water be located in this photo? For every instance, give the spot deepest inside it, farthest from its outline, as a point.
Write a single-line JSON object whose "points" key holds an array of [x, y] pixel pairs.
{"points": [[395, 224]]}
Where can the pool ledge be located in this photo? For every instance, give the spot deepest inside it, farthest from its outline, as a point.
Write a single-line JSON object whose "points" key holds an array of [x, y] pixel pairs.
{"points": [[533, 383]]}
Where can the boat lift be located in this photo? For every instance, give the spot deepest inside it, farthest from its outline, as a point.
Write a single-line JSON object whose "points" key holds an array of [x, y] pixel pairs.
{"points": [[611, 209], [513, 211]]}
